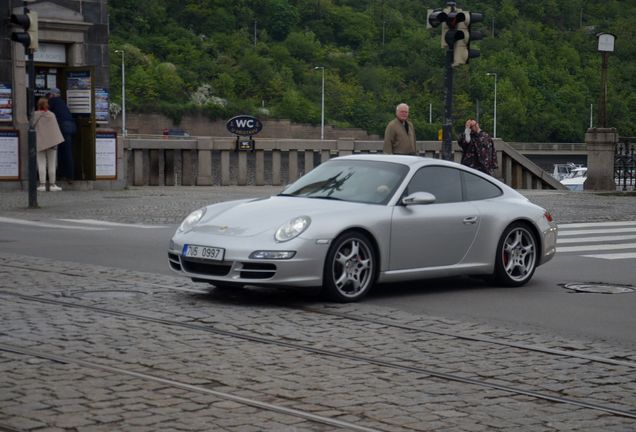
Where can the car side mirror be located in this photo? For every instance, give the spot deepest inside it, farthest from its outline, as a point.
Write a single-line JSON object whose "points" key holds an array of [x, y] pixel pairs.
{"points": [[419, 198]]}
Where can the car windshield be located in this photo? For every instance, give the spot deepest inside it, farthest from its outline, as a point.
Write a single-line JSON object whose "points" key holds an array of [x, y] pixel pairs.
{"points": [[372, 182]]}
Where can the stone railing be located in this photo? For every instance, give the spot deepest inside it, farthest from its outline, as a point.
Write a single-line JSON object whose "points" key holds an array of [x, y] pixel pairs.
{"points": [[206, 161], [550, 148]]}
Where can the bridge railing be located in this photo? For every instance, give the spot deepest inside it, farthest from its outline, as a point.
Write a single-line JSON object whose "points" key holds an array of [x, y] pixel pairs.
{"points": [[625, 164], [206, 161]]}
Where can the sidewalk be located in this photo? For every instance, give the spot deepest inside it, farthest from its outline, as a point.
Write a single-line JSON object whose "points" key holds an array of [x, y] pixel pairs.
{"points": [[170, 204]]}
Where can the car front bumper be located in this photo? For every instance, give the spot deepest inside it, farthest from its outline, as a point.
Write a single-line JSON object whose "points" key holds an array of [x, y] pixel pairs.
{"points": [[304, 269]]}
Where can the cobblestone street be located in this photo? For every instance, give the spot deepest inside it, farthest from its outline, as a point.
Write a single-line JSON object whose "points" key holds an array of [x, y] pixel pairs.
{"points": [[95, 348]]}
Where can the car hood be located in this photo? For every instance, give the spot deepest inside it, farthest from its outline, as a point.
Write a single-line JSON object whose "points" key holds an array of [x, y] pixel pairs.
{"points": [[251, 218]]}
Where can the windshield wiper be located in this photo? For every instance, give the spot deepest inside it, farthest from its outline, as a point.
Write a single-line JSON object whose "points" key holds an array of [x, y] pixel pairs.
{"points": [[325, 197]]}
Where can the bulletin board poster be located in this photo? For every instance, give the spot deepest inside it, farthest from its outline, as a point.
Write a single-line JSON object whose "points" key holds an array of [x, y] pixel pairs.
{"points": [[6, 103], [106, 155], [9, 154], [101, 105], [78, 92]]}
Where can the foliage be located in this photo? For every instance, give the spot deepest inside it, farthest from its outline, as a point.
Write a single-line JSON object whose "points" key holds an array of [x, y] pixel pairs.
{"points": [[256, 57]]}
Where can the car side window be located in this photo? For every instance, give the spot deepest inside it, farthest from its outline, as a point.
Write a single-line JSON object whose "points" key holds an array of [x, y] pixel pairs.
{"points": [[443, 182], [477, 188]]}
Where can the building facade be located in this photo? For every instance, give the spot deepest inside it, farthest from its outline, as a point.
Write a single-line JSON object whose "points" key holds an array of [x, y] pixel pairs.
{"points": [[72, 56]]}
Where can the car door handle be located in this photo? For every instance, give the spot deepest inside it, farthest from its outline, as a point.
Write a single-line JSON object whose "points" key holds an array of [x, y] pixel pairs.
{"points": [[470, 220]]}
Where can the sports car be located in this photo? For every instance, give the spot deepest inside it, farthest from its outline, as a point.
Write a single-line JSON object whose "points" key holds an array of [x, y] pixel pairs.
{"points": [[358, 220]]}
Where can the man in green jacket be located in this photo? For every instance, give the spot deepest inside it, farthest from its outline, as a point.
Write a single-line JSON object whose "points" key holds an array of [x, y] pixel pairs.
{"points": [[399, 135]]}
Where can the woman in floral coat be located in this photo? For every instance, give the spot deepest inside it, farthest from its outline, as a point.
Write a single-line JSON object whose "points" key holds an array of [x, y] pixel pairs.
{"points": [[478, 148]]}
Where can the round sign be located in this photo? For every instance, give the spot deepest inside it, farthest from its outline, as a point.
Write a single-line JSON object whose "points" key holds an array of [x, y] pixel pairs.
{"points": [[244, 125]]}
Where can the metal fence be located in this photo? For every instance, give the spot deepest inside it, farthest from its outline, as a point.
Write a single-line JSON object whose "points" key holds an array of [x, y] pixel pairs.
{"points": [[625, 164]]}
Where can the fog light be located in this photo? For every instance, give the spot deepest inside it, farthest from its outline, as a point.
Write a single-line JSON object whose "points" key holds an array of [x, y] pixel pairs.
{"points": [[276, 255], [174, 246]]}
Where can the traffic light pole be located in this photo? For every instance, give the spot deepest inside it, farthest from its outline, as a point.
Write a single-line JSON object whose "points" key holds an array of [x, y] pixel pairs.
{"points": [[33, 193], [447, 127], [456, 37]]}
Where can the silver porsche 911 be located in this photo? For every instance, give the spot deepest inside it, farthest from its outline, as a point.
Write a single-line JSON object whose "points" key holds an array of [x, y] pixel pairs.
{"points": [[358, 220]]}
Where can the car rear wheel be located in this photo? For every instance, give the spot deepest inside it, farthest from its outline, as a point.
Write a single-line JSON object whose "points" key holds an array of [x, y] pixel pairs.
{"points": [[350, 268], [516, 255]]}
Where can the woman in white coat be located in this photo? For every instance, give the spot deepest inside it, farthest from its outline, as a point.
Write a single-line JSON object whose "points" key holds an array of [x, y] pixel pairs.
{"points": [[48, 136]]}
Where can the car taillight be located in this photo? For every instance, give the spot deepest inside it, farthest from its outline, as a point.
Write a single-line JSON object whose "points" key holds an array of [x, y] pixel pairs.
{"points": [[547, 216]]}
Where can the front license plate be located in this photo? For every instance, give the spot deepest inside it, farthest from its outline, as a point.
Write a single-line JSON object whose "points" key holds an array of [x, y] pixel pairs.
{"points": [[204, 252]]}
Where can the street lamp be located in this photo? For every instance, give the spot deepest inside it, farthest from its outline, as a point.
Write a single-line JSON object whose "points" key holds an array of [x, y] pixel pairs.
{"points": [[123, 92], [494, 120], [605, 46], [322, 104]]}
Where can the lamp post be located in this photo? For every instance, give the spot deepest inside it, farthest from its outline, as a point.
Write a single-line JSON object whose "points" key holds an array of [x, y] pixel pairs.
{"points": [[123, 92], [322, 104], [494, 120], [605, 46]]}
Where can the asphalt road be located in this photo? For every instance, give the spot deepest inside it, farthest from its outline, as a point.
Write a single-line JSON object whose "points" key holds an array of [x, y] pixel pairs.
{"points": [[544, 304]]}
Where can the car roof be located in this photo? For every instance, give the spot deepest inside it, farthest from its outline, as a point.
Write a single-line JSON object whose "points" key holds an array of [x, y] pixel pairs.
{"points": [[403, 159]]}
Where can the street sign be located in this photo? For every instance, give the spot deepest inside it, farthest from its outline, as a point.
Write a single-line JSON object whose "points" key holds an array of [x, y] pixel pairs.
{"points": [[244, 125]]}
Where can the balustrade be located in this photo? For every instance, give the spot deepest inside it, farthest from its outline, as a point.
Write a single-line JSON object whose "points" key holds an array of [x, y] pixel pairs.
{"points": [[206, 161]]}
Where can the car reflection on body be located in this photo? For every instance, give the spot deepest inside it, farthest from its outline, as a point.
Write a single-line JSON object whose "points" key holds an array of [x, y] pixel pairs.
{"points": [[358, 220]]}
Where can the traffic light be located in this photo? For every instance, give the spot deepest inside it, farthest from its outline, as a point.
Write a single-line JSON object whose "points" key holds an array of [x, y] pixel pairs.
{"points": [[447, 18], [464, 36], [29, 23]]}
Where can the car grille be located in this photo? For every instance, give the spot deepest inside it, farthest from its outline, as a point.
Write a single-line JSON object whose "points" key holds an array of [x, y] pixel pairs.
{"points": [[258, 271], [205, 267], [246, 270], [173, 259]]}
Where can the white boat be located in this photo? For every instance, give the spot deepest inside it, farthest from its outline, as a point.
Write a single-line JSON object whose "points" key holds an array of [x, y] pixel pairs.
{"points": [[575, 179], [562, 171]]}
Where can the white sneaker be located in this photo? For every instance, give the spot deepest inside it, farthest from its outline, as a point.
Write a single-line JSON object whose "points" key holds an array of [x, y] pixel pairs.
{"points": [[42, 188], [55, 188]]}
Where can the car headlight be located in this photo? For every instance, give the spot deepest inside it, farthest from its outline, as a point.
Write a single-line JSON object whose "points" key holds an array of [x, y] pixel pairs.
{"points": [[292, 228], [192, 219]]}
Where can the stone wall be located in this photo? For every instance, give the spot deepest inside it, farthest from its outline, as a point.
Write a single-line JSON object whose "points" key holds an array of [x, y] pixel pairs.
{"points": [[198, 125]]}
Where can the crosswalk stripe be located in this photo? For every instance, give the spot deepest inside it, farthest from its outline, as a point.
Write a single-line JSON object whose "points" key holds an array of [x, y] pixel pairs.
{"points": [[595, 239], [596, 224], [596, 247], [596, 231], [588, 237], [624, 255]]}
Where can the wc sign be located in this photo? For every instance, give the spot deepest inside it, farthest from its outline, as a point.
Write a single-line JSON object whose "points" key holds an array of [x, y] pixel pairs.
{"points": [[244, 125]]}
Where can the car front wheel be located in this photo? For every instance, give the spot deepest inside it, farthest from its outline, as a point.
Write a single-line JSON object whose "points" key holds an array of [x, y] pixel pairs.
{"points": [[516, 255], [350, 268]]}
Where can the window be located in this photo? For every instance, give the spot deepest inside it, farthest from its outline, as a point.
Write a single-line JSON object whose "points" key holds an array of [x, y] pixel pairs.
{"points": [[443, 182], [372, 182], [477, 188]]}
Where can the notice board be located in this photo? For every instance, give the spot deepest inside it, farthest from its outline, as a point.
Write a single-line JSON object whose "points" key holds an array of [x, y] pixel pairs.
{"points": [[9, 154], [105, 155]]}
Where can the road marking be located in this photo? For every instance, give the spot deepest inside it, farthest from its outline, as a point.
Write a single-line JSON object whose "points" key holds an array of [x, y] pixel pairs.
{"points": [[47, 225], [624, 255], [595, 231], [112, 224], [583, 239], [596, 247], [595, 239], [596, 224]]}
